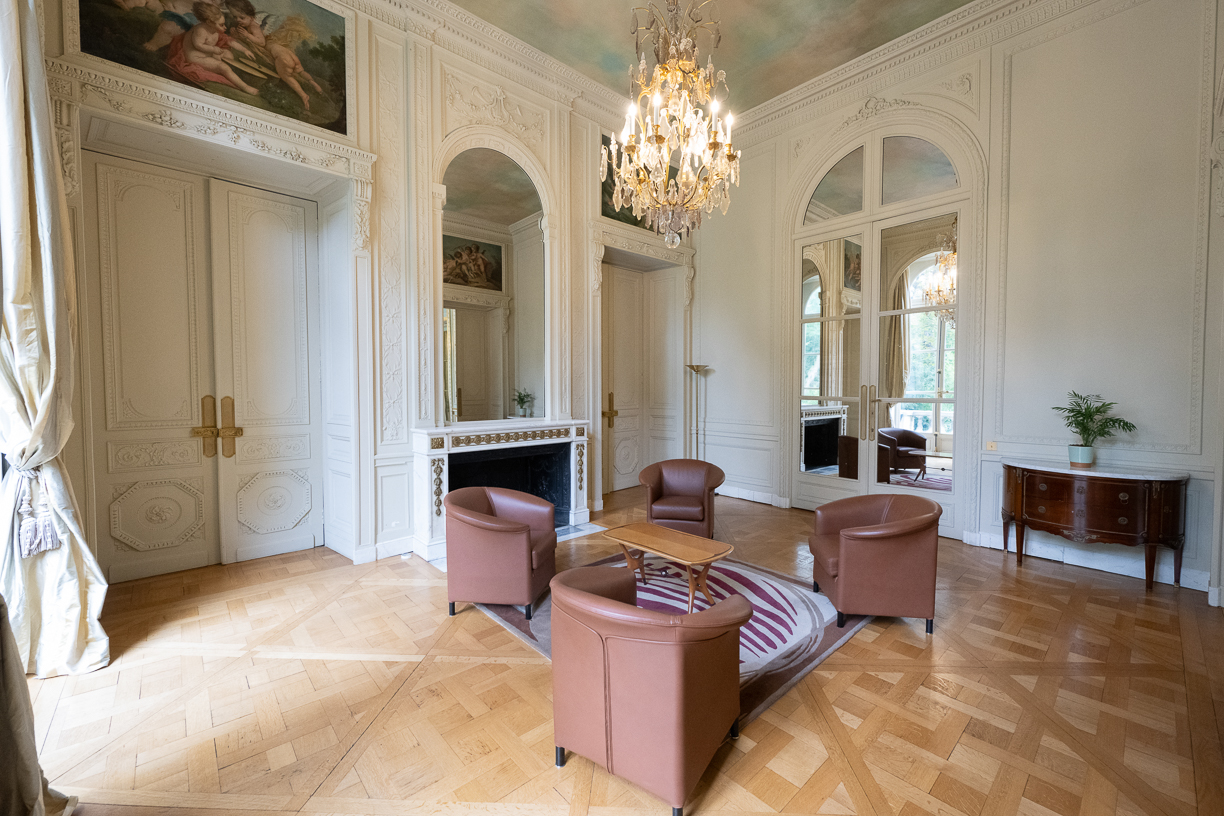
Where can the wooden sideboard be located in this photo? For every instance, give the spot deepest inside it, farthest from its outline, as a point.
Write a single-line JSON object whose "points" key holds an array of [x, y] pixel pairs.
{"points": [[1108, 505]]}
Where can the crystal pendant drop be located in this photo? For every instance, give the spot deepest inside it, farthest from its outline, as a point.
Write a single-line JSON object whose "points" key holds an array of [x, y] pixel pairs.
{"points": [[671, 240]]}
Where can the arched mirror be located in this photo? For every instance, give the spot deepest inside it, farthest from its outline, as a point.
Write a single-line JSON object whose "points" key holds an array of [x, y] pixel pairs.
{"points": [[493, 296]]}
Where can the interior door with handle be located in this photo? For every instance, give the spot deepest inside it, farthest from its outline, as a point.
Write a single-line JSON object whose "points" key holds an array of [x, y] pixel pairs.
{"points": [[266, 330]]}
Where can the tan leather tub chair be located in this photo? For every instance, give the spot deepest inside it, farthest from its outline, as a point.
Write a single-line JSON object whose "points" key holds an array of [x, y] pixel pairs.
{"points": [[648, 696], [501, 546], [906, 450], [876, 555], [680, 494]]}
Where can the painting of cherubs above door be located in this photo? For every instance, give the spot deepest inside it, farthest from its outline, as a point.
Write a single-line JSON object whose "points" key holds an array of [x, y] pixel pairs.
{"points": [[283, 56], [471, 263]]}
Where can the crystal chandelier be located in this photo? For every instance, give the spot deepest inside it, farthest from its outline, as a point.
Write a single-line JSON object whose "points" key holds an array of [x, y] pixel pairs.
{"points": [[940, 289], [674, 159]]}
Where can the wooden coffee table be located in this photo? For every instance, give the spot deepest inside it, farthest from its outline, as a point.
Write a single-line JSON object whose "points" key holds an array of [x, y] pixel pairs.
{"points": [[691, 551]]}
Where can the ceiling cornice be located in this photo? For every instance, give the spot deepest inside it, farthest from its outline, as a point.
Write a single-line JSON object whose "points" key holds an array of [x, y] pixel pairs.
{"points": [[961, 32]]}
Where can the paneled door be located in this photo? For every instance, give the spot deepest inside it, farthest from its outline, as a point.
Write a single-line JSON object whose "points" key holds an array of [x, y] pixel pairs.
{"points": [[179, 352], [624, 400], [265, 335]]}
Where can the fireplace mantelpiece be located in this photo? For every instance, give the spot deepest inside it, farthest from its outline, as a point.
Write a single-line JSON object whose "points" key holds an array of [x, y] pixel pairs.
{"points": [[432, 448]]}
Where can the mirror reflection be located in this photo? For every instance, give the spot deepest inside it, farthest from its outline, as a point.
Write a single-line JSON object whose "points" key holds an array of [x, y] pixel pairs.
{"points": [[917, 365], [840, 192], [914, 168], [830, 368], [492, 290]]}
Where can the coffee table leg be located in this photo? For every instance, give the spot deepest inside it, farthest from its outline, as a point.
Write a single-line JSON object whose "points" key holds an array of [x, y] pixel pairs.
{"points": [[692, 586], [639, 564], [703, 586]]}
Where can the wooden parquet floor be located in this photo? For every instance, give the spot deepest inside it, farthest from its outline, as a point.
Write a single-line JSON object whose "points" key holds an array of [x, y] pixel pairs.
{"points": [[304, 684]]}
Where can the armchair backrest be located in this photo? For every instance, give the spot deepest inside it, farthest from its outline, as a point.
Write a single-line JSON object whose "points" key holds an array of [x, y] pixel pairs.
{"points": [[649, 696], [682, 477], [903, 437], [874, 509]]}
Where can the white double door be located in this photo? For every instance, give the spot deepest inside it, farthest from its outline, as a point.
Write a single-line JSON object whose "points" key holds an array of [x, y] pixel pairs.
{"points": [[643, 368], [202, 372]]}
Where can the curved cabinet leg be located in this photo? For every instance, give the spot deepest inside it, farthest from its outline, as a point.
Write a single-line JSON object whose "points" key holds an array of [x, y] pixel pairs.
{"points": [[1019, 543], [1177, 558], [1149, 564]]}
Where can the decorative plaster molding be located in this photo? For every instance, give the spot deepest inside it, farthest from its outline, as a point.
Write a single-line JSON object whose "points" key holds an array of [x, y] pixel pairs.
{"points": [[106, 91], [273, 502], [874, 106], [392, 211], [973, 27], [423, 233], [961, 85], [580, 450], [484, 298], [437, 464], [482, 440], [156, 515], [273, 448], [130, 456], [478, 103], [66, 143], [437, 443]]}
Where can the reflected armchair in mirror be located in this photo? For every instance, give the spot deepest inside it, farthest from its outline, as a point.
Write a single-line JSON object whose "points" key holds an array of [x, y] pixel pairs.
{"points": [[906, 450]]}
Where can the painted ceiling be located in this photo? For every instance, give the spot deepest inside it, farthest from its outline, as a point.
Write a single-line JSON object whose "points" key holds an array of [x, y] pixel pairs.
{"points": [[768, 46], [485, 184]]}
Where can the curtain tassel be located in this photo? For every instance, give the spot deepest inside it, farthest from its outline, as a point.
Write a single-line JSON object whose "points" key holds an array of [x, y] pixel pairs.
{"points": [[37, 531]]}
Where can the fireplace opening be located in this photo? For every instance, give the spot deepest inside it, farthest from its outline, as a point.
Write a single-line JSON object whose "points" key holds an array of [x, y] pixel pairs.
{"points": [[541, 470]]}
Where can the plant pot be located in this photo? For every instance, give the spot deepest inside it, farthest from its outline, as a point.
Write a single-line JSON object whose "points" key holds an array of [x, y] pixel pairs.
{"points": [[1081, 456]]}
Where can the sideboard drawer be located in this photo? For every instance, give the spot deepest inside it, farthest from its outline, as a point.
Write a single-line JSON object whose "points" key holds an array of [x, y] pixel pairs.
{"points": [[1102, 493], [1038, 508], [1047, 487]]}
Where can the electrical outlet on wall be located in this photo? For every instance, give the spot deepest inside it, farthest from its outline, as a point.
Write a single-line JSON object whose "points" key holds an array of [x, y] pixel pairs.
{"points": [[992, 445]]}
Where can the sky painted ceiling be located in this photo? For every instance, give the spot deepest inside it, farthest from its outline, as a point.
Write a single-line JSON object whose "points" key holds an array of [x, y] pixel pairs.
{"points": [[485, 184], [768, 46]]}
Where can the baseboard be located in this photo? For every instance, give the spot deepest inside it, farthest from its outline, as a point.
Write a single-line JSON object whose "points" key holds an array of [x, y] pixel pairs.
{"points": [[398, 546], [1213, 596], [758, 496], [145, 568]]}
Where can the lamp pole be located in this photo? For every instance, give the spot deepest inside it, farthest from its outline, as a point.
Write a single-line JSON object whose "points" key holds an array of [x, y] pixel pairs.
{"points": [[696, 369]]}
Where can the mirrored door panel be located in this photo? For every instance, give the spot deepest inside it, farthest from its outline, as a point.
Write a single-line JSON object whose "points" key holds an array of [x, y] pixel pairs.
{"points": [[831, 363], [916, 366]]}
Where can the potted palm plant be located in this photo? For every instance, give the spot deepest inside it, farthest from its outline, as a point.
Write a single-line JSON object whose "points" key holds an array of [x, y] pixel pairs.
{"points": [[522, 398], [1088, 416]]}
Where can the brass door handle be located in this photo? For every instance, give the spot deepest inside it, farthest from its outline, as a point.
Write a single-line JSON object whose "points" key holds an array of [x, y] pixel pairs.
{"points": [[208, 429], [611, 413], [228, 431], [871, 428], [862, 434]]}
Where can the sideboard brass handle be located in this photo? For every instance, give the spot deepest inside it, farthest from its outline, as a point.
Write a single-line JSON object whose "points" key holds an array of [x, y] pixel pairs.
{"points": [[1041, 509], [1042, 486]]}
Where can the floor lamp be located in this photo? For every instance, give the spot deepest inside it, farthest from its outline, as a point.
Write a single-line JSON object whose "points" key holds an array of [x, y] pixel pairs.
{"points": [[696, 369]]}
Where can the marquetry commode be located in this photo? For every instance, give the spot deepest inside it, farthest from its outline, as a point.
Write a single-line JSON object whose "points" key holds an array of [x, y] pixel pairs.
{"points": [[558, 452], [1107, 505]]}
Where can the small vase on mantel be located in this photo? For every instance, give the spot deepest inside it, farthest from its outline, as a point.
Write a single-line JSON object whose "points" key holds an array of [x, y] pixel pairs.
{"points": [[1081, 456]]}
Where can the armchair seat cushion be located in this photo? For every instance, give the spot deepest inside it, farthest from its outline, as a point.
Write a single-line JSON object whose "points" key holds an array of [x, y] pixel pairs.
{"points": [[683, 508], [826, 549]]}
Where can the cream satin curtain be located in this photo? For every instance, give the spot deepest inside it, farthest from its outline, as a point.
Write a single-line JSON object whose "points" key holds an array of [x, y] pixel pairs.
{"points": [[895, 351], [48, 576]]}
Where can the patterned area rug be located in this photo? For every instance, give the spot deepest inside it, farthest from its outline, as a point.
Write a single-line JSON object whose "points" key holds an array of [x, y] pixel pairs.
{"points": [[791, 631], [931, 482]]}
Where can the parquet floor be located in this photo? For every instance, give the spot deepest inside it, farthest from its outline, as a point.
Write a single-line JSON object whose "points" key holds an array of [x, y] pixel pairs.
{"points": [[305, 684]]}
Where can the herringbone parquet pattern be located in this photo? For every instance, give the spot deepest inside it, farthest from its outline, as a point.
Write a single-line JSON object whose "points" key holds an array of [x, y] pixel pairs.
{"points": [[304, 684]]}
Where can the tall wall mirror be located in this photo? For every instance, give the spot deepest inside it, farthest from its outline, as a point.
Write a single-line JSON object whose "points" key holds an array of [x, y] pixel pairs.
{"points": [[493, 290]]}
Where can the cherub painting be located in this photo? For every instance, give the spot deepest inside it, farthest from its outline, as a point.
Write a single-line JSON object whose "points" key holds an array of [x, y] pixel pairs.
{"points": [[284, 56], [471, 263]]}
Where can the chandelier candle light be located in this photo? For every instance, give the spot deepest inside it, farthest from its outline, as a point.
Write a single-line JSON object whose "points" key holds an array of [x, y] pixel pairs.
{"points": [[941, 290], [674, 159]]}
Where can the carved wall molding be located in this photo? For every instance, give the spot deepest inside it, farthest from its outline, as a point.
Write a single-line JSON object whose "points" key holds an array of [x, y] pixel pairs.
{"points": [[157, 514], [580, 451], [274, 501], [392, 215], [872, 107], [437, 466], [482, 440], [1207, 168], [484, 298], [426, 208], [128, 456], [273, 448], [468, 101], [106, 91]]}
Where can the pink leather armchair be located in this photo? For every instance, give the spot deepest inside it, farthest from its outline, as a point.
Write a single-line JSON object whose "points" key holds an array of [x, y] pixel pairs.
{"points": [[876, 555], [648, 696], [906, 449], [680, 494], [501, 546]]}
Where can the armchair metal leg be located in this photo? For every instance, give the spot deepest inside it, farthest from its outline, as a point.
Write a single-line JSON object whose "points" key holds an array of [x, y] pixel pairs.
{"points": [[560, 757], [815, 586], [930, 626], [678, 811], [841, 620], [734, 732], [527, 611], [452, 609]]}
